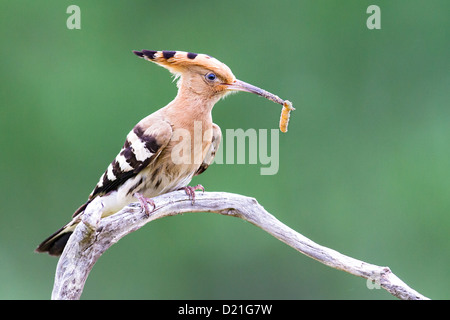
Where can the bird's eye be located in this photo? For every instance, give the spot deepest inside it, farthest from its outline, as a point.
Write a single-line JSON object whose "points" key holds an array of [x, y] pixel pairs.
{"points": [[210, 76]]}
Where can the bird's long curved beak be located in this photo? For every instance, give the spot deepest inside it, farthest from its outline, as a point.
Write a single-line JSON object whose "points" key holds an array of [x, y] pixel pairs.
{"points": [[239, 85]]}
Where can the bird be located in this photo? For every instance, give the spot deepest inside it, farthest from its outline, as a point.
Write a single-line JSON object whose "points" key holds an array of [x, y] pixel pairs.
{"points": [[159, 154]]}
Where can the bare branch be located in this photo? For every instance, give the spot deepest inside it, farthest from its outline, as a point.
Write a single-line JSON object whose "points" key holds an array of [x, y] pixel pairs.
{"points": [[94, 236]]}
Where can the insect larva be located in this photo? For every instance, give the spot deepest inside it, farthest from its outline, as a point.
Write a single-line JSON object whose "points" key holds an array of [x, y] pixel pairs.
{"points": [[285, 113]]}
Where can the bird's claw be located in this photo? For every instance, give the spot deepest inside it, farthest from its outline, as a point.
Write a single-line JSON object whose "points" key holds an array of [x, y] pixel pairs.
{"points": [[145, 202], [190, 191]]}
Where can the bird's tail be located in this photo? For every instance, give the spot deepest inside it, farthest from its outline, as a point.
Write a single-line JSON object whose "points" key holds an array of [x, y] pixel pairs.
{"points": [[54, 244]]}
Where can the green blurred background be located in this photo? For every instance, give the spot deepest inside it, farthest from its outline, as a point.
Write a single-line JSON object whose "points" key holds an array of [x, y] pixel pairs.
{"points": [[364, 168]]}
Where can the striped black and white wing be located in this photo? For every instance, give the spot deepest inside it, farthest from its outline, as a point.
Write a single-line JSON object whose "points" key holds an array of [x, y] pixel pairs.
{"points": [[142, 147], [209, 157]]}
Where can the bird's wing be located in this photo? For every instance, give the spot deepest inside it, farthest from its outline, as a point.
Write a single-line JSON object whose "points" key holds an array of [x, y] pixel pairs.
{"points": [[209, 157], [142, 146]]}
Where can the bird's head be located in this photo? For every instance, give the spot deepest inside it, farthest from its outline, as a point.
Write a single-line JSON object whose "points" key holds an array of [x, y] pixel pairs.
{"points": [[202, 74]]}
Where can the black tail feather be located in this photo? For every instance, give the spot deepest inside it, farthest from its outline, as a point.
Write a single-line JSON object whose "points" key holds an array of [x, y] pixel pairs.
{"points": [[54, 245]]}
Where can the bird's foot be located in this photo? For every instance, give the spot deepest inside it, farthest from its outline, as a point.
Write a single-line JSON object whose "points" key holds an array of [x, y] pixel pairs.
{"points": [[145, 202], [190, 191]]}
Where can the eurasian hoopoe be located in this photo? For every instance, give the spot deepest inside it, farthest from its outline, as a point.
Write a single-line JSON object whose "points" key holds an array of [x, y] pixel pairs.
{"points": [[146, 165]]}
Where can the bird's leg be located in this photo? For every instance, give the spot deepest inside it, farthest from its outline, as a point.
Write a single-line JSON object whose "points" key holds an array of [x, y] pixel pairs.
{"points": [[190, 191], [145, 202]]}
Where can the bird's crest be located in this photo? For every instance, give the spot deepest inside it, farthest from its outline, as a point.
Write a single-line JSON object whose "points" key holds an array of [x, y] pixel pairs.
{"points": [[179, 61]]}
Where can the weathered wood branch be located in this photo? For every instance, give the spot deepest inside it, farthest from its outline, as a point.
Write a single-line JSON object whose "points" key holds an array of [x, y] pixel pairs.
{"points": [[94, 236]]}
